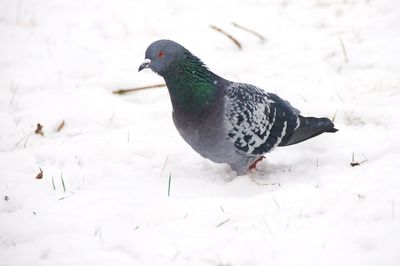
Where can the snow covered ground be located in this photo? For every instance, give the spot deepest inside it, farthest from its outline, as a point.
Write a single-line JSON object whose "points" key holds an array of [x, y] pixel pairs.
{"points": [[103, 198]]}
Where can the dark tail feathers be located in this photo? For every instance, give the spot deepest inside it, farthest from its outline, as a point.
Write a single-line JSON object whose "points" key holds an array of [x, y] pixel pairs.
{"points": [[309, 128]]}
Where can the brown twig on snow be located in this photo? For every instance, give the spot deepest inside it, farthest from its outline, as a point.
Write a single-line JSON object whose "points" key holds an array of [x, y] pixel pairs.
{"points": [[233, 39], [123, 91], [39, 129], [40, 175], [262, 38], [61, 126]]}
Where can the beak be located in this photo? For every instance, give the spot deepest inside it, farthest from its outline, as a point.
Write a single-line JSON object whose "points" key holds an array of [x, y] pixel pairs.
{"points": [[145, 64]]}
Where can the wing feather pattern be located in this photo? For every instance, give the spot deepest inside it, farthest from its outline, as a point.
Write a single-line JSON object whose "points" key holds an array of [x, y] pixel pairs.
{"points": [[256, 121]]}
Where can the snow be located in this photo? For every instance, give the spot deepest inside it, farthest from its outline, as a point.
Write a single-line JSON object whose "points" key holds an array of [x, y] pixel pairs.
{"points": [[60, 60]]}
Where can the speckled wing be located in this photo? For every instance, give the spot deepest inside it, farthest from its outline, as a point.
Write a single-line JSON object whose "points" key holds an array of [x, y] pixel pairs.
{"points": [[256, 121]]}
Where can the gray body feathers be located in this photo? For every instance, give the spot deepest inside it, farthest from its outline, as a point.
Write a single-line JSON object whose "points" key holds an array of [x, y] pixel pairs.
{"points": [[245, 123]]}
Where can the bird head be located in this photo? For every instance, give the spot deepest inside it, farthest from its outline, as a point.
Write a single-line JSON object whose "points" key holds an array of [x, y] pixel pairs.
{"points": [[161, 54]]}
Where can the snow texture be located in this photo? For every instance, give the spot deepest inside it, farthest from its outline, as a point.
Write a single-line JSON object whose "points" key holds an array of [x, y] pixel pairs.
{"points": [[305, 205]]}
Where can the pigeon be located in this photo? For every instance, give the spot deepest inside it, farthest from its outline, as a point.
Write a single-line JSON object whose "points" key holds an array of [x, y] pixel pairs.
{"points": [[224, 121]]}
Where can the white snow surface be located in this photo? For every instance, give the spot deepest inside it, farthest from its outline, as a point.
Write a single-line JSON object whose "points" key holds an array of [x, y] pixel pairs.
{"points": [[305, 205]]}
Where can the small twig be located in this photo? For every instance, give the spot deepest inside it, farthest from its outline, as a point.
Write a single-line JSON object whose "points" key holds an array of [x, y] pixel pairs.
{"points": [[233, 39], [123, 91], [40, 175], [165, 164], [262, 38], [360, 197], [346, 59], [222, 209], [61, 126], [355, 163], [39, 129], [223, 222]]}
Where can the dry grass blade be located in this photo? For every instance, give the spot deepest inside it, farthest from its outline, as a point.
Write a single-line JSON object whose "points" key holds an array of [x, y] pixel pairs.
{"points": [[52, 181], [265, 184], [346, 59], [340, 97], [123, 91], [303, 98], [26, 138], [276, 203], [223, 222], [334, 116], [61, 126], [262, 38], [233, 39], [169, 184], [13, 92], [165, 164], [62, 182]]}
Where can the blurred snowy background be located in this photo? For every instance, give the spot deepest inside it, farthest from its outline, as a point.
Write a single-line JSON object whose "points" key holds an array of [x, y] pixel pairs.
{"points": [[103, 196]]}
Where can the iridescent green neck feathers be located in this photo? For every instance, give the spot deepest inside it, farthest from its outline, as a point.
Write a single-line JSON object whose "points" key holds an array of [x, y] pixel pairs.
{"points": [[192, 87]]}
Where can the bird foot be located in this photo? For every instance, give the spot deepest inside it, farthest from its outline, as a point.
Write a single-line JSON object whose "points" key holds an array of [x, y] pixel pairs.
{"points": [[253, 165]]}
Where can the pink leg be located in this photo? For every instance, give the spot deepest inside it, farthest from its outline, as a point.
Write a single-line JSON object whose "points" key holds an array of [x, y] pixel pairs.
{"points": [[253, 165]]}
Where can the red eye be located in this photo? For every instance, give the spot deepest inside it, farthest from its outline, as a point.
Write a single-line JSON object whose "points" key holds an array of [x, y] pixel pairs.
{"points": [[160, 54]]}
